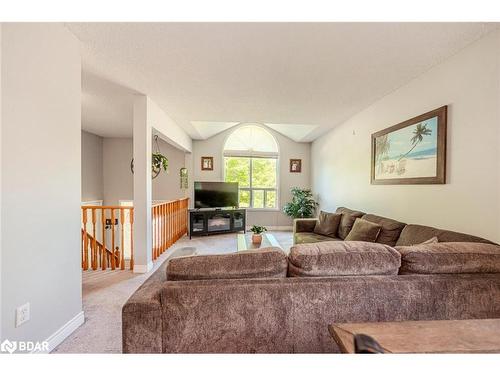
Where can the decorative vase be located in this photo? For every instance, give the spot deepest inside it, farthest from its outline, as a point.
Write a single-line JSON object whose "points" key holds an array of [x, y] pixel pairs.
{"points": [[256, 239]]}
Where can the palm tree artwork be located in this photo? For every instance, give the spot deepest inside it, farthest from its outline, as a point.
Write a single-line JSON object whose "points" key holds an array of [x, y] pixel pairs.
{"points": [[383, 145], [418, 136], [411, 151]]}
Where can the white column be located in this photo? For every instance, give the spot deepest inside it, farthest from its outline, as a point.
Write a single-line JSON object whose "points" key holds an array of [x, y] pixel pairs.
{"points": [[142, 187]]}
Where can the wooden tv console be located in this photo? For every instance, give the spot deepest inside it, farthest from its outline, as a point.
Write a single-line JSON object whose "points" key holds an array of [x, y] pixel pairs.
{"points": [[203, 221]]}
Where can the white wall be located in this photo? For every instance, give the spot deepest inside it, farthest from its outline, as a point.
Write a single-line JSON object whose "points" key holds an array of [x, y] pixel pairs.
{"points": [[1, 151], [118, 181], [92, 164], [288, 150], [117, 177], [469, 84], [167, 185], [41, 187]]}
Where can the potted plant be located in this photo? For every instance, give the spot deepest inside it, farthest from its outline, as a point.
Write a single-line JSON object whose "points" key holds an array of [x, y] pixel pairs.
{"points": [[257, 234], [302, 204]]}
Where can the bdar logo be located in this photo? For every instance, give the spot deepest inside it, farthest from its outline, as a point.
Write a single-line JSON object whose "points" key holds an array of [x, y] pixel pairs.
{"points": [[8, 346]]}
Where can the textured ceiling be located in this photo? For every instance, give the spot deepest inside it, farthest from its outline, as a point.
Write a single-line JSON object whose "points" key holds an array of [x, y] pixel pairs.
{"points": [[206, 75]]}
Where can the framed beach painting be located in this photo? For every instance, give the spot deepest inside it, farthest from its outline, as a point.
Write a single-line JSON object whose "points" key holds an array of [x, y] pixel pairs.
{"points": [[412, 152]]}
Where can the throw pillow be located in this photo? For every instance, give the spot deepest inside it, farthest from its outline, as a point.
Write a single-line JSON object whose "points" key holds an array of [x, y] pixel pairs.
{"points": [[327, 224], [363, 230], [347, 221]]}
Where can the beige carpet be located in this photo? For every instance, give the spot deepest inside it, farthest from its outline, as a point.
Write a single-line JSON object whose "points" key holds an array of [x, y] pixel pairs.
{"points": [[105, 292]]}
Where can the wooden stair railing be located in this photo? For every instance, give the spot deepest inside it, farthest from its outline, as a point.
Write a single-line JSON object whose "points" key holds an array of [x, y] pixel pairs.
{"points": [[170, 223], [96, 253]]}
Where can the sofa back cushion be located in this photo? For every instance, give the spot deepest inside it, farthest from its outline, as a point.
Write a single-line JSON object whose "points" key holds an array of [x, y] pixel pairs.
{"points": [[414, 234], [363, 230], [450, 257], [328, 224], [389, 231], [339, 258], [347, 220], [261, 263]]}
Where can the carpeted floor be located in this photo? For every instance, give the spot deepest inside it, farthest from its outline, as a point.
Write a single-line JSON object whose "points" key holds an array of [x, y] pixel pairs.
{"points": [[105, 292]]}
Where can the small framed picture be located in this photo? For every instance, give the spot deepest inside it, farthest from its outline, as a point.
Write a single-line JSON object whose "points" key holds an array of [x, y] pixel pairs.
{"points": [[295, 165], [207, 163]]}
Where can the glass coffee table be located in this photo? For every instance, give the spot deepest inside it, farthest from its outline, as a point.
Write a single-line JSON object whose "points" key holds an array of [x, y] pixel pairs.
{"points": [[245, 242]]}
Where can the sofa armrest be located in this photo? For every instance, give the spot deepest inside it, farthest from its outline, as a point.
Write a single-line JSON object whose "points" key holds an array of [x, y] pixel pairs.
{"points": [[142, 323], [304, 225], [142, 316]]}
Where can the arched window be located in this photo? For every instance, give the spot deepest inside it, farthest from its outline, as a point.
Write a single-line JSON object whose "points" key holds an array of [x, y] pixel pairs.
{"points": [[251, 159]]}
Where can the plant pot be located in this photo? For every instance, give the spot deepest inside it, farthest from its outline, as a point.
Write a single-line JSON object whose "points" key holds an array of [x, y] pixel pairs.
{"points": [[256, 239]]}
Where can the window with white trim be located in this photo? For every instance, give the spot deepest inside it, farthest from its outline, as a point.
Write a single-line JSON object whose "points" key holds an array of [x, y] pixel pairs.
{"points": [[251, 159]]}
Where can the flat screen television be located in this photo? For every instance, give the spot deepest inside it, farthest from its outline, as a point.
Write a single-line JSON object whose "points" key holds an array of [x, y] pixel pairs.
{"points": [[215, 194]]}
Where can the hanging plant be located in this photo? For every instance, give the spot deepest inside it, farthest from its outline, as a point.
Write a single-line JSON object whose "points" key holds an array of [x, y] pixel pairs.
{"points": [[184, 178], [158, 161]]}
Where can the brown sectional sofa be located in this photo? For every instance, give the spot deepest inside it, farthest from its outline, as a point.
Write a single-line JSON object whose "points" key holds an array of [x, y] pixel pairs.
{"points": [[277, 313], [393, 233]]}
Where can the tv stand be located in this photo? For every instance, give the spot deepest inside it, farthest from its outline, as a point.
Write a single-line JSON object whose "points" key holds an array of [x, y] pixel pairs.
{"points": [[203, 221]]}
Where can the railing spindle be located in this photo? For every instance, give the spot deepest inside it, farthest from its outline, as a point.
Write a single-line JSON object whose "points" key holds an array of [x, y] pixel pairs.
{"points": [[155, 233], [164, 227], [103, 239], [112, 256], [131, 219], [122, 239], [93, 250], [85, 254]]}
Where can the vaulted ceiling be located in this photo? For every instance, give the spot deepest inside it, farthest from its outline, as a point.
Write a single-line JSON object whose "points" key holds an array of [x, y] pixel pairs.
{"points": [[301, 79]]}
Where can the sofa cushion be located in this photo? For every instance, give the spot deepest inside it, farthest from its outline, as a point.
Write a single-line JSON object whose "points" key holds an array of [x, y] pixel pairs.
{"points": [[347, 220], [430, 240], [304, 237], [363, 230], [389, 231], [339, 258], [414, 234], [450, 257], [261, 263], [304, 225], [327, 224]]}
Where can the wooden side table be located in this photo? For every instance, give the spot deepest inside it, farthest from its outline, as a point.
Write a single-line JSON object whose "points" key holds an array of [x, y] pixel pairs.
{"points": [[433, 336]]}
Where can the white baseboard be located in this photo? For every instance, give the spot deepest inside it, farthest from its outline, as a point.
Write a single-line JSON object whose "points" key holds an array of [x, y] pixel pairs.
{"points": [[62, 333], [278, 227], [282, 227], [143, 268]]}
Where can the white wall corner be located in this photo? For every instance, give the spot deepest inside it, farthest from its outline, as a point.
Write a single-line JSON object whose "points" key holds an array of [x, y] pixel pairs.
{"points": [[142, 184], [143, 268], [1, 181], [169, 130]]}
